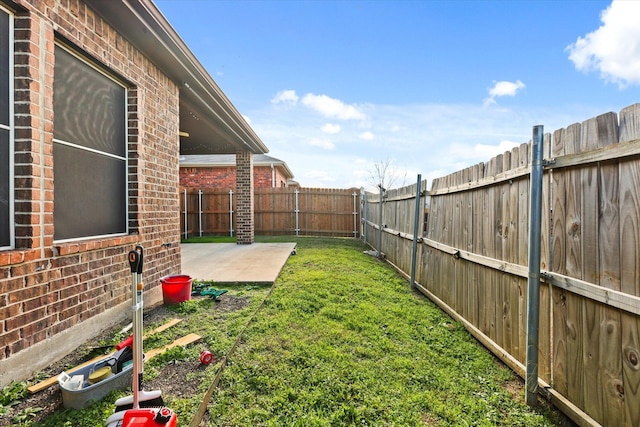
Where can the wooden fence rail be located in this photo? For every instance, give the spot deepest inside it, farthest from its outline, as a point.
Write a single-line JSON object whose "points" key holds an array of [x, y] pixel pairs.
{"points": [[473, 261], [277, 211]]}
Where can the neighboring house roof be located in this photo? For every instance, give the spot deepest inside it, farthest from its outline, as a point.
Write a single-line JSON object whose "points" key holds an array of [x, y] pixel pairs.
{"points": [[226, 160], [206, 114]]}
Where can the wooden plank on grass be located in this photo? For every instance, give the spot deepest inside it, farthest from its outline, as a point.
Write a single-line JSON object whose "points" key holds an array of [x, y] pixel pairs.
{"points": [[52, 380], [185, 340]]}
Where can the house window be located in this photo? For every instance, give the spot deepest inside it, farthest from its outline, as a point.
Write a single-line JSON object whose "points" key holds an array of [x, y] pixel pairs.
{"points": [[6, 129], [89, 150]]}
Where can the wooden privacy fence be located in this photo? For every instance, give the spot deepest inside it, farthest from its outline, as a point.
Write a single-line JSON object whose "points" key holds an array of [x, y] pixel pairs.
{"points": [[277, 211], [473, 261]]}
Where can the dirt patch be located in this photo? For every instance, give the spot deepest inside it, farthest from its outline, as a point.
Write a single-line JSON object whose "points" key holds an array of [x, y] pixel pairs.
{"points": [[172, 379]]}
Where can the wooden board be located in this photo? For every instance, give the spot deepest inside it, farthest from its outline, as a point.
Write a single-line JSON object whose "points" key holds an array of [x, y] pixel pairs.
{"points": [[630, 266], [609, 369], [53, 380], [573, 242], [558, 264], [185, 340], [523, 252], [544, 334]]}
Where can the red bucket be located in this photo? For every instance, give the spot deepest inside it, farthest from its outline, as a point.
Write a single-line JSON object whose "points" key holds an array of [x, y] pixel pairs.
{"points": [[176, 289]]}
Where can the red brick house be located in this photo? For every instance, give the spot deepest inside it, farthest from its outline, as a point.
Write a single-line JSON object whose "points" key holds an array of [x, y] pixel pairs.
{"points": [[93, 97], [219, 171]]}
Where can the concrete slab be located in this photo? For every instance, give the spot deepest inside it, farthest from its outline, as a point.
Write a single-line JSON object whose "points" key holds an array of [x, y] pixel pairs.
{"points": [[233, 263]]}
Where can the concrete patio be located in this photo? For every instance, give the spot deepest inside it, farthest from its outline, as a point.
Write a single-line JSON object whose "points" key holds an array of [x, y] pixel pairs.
{"points": [[233, 263]]}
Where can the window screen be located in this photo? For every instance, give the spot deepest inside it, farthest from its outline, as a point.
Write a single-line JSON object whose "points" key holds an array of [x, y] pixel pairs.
{"points": [[4, 67], [6, 153], [89, 155]]}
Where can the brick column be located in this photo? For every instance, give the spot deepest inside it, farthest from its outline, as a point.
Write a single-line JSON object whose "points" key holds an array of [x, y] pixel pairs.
{"points": [[244, 198]]}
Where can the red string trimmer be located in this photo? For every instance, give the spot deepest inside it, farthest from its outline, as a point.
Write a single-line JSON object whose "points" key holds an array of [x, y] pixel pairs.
{"points": [[143, 409]]}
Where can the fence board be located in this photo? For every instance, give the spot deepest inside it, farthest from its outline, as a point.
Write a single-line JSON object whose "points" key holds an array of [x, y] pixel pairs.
{"points": [[545, 337], [558, 264], [523, 250], [629, 266], [610, 344]]}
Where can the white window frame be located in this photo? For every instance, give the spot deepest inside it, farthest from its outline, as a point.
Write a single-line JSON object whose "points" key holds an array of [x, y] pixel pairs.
{"points": [[10, 127], [119, 82]]}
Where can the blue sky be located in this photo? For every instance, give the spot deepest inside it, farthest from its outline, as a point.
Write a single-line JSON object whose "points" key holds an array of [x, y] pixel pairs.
{"points": [[335, 87]]}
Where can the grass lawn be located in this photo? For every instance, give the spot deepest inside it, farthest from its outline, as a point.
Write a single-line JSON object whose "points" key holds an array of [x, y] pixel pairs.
{"points": [[341, 340]]}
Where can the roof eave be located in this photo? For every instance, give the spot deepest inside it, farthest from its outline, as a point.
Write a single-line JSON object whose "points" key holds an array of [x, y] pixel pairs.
{"points": [[142, 23]]}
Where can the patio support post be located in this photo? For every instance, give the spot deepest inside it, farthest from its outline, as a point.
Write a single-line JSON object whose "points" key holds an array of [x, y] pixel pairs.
{"points": [[535, 232], [244, 198]]}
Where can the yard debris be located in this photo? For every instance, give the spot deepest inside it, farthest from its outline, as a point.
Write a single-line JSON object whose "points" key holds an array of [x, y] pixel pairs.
{"points": [[205, 289], [374, 254], [53, 380]]}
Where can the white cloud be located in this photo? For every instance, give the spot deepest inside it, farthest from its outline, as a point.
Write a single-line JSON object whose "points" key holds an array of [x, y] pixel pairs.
{"points": [[331, 128], [430, 139], [614, 48], [493, 150], [503, 88], [331, 107], [367, 136], [322, 143], [285, 97]]}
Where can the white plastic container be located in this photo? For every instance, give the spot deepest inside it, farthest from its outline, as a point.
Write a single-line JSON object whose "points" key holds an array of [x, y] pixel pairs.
{"points": [[74, 397]]}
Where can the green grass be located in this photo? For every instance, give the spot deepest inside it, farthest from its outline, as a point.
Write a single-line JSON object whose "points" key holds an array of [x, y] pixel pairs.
{"points": [[342, 340]]}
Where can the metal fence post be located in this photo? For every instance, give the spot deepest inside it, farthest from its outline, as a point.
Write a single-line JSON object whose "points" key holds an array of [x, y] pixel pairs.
{"points": [[535, 232], [200, 211], [363, 215], [380, 222], [355, 215], [186, 232], [416, 222], [231, 213], [297, 211]]}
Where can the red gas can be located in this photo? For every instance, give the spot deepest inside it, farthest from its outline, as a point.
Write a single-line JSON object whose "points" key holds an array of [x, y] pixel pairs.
{"points": [[150, 417]]}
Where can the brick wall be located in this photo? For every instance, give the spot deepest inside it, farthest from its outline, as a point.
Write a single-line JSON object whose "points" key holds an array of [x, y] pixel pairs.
{"points": [[208, 177], [47, 289], [225, 177]]}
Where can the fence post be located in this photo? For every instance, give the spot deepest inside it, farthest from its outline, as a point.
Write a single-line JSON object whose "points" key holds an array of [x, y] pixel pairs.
{"points": [[200, 211], [297, 210], [186, 232], [355, 216], [231, 213], [380, 221], [363, 215], [416, 223], [535, 232]]}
